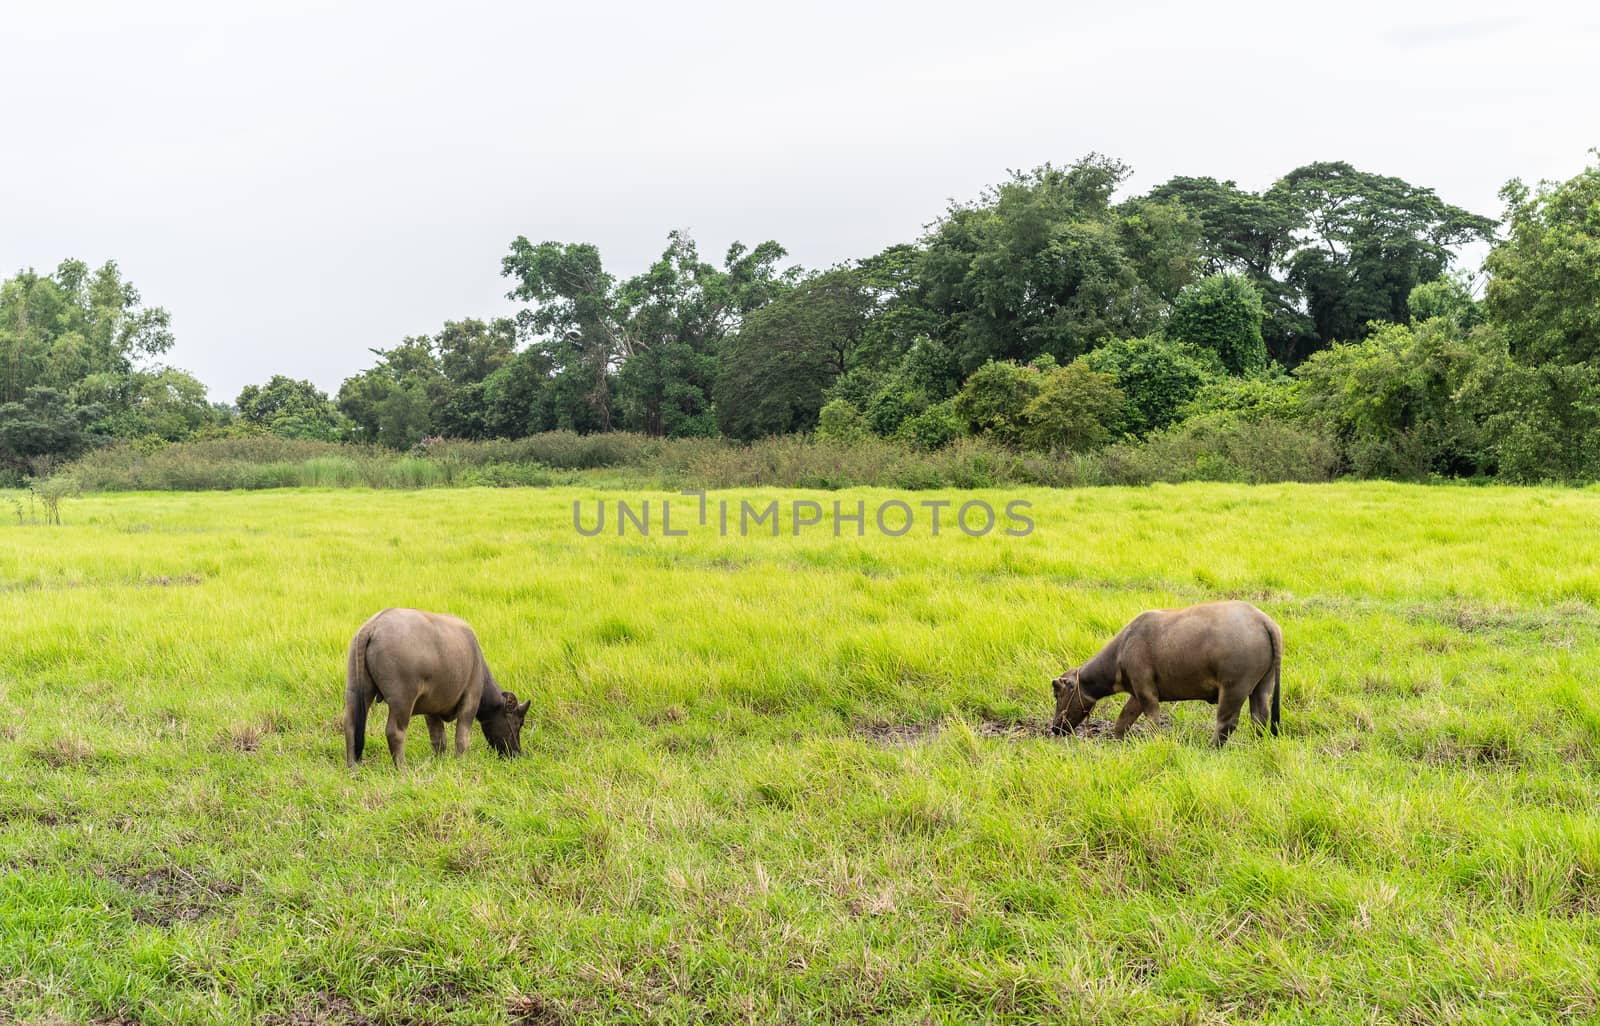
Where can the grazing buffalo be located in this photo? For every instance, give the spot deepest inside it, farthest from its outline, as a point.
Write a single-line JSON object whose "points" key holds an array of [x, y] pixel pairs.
{"points": [[427, 663], [1220, 652]]}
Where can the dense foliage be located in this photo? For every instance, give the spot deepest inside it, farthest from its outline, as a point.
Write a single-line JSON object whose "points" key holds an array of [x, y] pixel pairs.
{"points": [[1046, 316]]}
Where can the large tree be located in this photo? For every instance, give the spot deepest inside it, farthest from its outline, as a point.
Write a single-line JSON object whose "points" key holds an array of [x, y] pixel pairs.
{"points": [[41, 426], [643, 353], [1041, 264], [775, 369], [1544, 284], [78, 360], [1367, 241], [675, 317], [291, 408], [1329, 247], [573, 322], [395, 401], [57, 329], [1251, 234]]}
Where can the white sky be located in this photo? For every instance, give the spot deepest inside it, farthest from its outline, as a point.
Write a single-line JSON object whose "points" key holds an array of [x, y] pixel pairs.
{"points": [[299, 182]]}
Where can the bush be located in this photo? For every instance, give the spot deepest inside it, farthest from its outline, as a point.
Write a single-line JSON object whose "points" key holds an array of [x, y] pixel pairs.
{"points": [[1543, 422], [1159, 376], [994, 397], [509, 475], [1077, 409], [1254, 453], [1395, 400], [933, 428], [1248, 399], [840, 421]]}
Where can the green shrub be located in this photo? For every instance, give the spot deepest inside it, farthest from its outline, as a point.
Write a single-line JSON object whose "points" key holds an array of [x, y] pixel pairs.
{"points": [[933, 428], [1203, 450], [1249, 399], [892, 406], [1077, 409], [509, 475], [840, 421], [1158, 376], [994, 397], [1395, 401]]}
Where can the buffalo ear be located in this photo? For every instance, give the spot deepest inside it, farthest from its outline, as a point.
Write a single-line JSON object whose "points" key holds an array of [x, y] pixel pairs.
{"points": [[508, 700], [522, 710]]}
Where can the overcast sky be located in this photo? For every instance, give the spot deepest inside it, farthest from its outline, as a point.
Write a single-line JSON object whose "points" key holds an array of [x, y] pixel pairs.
{"points": [[300, 182]]}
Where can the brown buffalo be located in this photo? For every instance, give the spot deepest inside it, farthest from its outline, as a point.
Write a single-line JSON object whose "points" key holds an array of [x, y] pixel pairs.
{"points": [[427, 663], [1219, 652]]}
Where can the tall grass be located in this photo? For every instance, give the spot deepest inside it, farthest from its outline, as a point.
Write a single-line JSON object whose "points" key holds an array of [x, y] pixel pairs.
{"points": [[1243, 452], [761, 781]]}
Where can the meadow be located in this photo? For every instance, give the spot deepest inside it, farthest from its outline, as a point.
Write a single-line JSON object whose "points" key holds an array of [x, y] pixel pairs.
{"points": [[801, 780]]}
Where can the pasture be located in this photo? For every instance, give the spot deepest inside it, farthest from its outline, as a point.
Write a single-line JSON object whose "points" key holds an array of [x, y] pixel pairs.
{"points": [[785, 780]]}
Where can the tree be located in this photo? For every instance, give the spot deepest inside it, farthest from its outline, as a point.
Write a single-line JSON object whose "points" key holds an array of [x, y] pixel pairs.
{"points": [[291, 408], [522, 398], [1329, 247], [677, 315], [1543, 422], [399, 400], [44, 424], [1076, 409], [1252, 234], [1222, 313], [1159, 377], [1241, 231], [79, 343], [161, 402], [775, 369], [56, 330], [1038, 265], [1544, 285], [1369, 240], [429, 385], [654, 337], [1449, 297], [934, 428], [1163, 241], [573, 321], [842, 422], [468, 351], [901, 318]]}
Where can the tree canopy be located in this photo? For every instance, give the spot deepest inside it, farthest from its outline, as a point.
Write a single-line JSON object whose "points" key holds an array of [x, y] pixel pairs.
{"points": [[1055, 310]]}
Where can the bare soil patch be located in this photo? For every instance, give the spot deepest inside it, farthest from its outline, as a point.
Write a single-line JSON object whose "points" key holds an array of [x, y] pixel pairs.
{"points": [[535, 1010], [901, 735], [61, 752], [173, 895], [319, 1009], [896, 735]]}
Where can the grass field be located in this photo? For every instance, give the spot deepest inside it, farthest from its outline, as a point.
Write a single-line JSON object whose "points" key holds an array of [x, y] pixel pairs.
{"points": [[789, 780]]}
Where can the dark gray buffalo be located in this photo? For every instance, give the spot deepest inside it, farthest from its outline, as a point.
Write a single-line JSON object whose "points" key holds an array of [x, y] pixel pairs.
{"points": [[427, 663], [1219, 652]]}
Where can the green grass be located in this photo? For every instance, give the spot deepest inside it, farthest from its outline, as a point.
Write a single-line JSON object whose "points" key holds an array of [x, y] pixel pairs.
{"points": [[703, 829]]}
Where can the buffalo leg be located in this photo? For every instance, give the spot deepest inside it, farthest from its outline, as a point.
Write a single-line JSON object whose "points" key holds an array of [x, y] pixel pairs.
{"points": [[1144, 692], [1261, 707], [395, 730], [1130, 712], [436, 734], [463, 734], [1228, 707]]}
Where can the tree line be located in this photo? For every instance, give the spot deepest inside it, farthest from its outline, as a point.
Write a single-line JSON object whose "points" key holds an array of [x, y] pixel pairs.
{"points": [[1045, 314]]}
